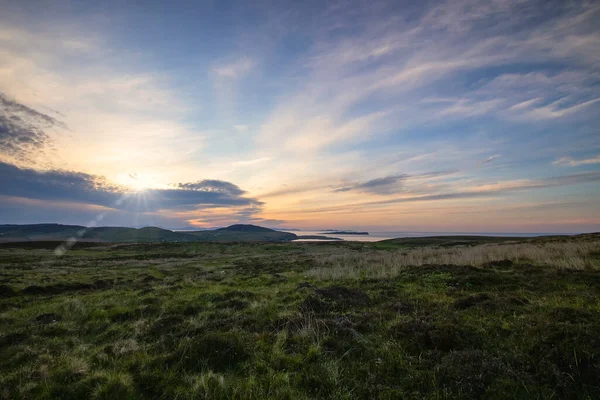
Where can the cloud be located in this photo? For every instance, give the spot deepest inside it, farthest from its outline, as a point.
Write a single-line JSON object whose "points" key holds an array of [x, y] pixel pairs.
{"points": [[213, 185], [23, 129], [387, 185], [235, 69], [568, 161], [57, 185], [393, 59], [466, 193], [555, 110], [70, 186], [251, 162], [120, 112], [490, 159], [525, 104]]}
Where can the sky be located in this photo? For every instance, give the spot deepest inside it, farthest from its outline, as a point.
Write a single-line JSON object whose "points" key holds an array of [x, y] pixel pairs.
{"points": [[433, 116]]}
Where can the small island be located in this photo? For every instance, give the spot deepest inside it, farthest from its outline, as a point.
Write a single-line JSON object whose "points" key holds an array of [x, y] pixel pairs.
{"points": [[345, 233], [317, 237]]}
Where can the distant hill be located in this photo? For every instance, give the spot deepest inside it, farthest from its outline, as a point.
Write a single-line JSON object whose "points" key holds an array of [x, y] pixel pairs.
{"points": [[37, 232], [147, 234], [51, 232], [244, 228], [244, 233]]}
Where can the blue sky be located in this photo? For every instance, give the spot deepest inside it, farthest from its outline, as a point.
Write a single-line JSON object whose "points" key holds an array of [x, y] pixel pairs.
{"points": [[462, 115]]}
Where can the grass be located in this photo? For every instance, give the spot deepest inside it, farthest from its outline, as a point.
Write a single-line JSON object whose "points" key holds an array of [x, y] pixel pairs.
{"points": [[385, 264], [427, 319]]}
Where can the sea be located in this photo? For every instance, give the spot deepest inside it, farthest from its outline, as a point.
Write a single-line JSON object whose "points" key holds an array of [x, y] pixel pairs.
{"points": [[376, 236]]}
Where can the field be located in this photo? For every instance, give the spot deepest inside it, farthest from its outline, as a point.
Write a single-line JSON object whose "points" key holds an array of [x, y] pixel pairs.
{"points": [[431, 318]]}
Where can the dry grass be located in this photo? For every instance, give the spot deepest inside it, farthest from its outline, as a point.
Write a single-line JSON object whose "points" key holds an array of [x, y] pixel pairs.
{"points": [[387, 264]]}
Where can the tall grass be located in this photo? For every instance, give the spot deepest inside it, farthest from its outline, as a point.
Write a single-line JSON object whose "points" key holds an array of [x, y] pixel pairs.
{"points": [[387, 264]]}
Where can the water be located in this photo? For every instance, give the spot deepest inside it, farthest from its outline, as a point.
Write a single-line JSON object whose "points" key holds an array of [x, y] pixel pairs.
{"points": [[376, 236]]}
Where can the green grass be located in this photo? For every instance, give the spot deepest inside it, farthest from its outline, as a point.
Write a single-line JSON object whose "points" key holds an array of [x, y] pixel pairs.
{"points": [[265, 320]]}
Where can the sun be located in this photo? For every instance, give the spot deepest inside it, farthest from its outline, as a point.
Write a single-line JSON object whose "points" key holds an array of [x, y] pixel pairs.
{"points": [[137, 182]]}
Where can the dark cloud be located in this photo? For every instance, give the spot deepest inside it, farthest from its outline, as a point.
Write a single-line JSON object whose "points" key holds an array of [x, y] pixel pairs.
{"points": [[388, 185], [56, 185], [23, 129], [391, 184], [343, 189], [490, 159], [213, 185], [60, 185], [433, 174]]}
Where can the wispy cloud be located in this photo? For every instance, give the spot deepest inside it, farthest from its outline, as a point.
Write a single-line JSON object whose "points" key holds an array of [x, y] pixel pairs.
{"points": [[490, 159], [570, 162], [500, 189], [386, 185], [235, 69], [554, 110], [253, 161]]}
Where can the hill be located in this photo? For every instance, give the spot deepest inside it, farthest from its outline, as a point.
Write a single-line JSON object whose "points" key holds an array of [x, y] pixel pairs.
{"points": [[243, 233], [147, 234], [244, 228], [36, 232], [58, 232]]}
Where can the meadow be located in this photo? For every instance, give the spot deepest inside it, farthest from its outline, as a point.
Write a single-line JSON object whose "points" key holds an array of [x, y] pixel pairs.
{"points": [[422, 318]]}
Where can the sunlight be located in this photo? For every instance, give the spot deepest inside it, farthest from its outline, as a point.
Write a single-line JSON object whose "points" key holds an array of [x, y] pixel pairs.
{"points": [[138, 183]]}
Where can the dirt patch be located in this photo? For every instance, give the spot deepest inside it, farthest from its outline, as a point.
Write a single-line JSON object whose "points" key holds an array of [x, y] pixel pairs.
{"points": [[572, 315], [122, 316], [12, 339], [401, 307], [315, 305], [238, 294], [49, 318], [103, 283], [470, 301], [6, 291], [304, 285], [218, 352], [165, 325], [344, 297], [275, 279], [236, 304], [192, 310], [65, 287], [501, 263], [469, 373], [426, 334]]}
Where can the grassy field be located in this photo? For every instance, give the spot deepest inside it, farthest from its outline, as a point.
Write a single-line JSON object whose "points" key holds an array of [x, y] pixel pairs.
{"points": [[426, 318]]}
